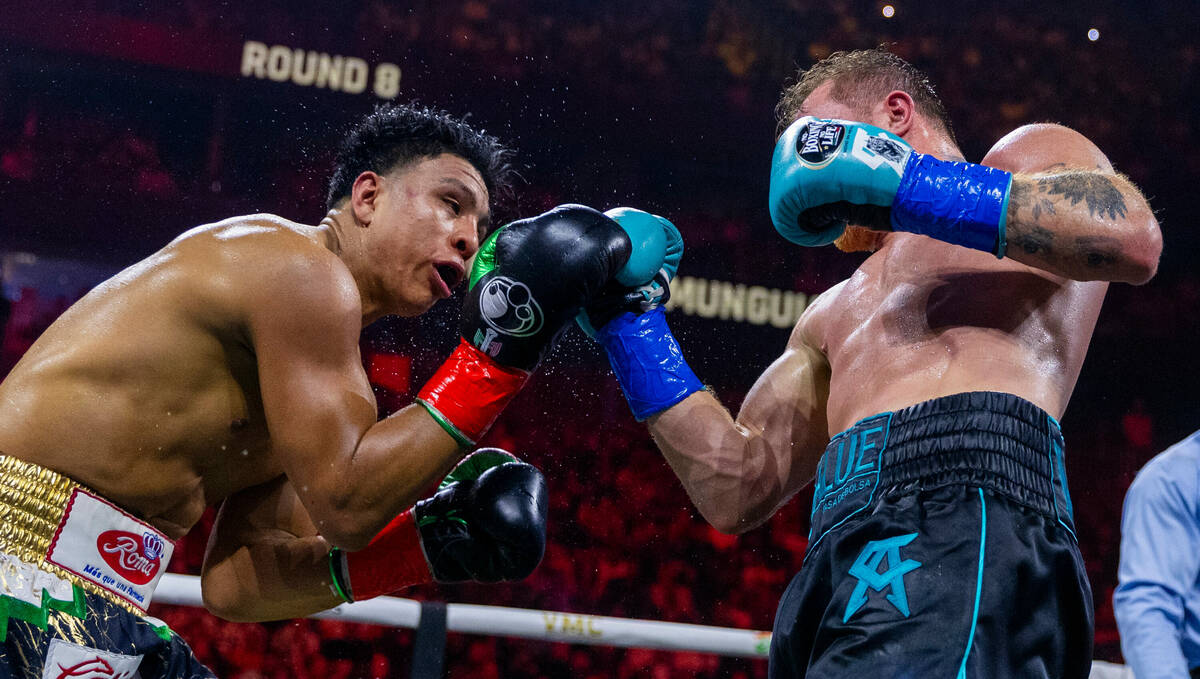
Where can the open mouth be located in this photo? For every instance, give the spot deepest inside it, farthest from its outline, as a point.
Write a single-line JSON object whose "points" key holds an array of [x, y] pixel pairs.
{"points": [[451, 275]]}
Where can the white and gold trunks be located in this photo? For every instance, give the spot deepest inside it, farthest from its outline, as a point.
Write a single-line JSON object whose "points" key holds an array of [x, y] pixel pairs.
{"points": [[56, 536]]}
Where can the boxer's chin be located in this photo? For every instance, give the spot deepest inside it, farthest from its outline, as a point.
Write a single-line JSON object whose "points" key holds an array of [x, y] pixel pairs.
{"points": [[859, 239]]}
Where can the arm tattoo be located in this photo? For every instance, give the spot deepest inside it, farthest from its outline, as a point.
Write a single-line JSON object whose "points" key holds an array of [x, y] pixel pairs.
{"points": [[1098, 251], [1037, 240], [1047, 228], [1103, 198], [1022, 196]]}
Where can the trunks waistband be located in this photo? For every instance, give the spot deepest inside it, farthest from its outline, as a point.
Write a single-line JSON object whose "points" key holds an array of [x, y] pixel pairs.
{"points": [[54, 524], [990, 440]]}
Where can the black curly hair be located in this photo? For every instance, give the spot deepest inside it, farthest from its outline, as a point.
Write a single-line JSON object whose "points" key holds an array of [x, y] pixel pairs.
{"points": [[396, 134]]}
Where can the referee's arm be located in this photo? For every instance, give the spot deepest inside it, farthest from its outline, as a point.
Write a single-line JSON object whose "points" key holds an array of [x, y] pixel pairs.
{"points": [[1160, 561]]}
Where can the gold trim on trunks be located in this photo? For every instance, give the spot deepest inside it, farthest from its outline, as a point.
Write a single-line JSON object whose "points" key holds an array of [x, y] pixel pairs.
{"points": [[33, 500]]}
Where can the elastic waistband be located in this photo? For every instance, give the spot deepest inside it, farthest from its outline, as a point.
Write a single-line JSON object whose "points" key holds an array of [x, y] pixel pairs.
{"points": [[50, 522], [991, 440]]}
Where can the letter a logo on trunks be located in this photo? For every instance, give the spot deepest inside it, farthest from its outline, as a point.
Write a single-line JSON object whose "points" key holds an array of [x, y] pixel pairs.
{"points": [[866, 569]]}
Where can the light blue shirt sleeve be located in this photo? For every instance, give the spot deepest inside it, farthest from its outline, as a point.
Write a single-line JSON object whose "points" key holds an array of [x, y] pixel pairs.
{"points": [[1160, 562]]}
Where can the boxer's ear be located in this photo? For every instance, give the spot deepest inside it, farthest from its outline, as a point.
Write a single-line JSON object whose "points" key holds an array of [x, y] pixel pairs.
{"points": [[901, 112], [364, 194]]}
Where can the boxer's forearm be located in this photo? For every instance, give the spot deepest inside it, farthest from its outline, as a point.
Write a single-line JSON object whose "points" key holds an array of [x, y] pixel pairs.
{"points": [[733, 474], [738, 472], [273, 579], [362, 479], [395, 463], [1084, 225]]}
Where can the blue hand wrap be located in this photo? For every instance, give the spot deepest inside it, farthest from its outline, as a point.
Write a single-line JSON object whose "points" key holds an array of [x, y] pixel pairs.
{"points": [[647, 362], [960, 203]]}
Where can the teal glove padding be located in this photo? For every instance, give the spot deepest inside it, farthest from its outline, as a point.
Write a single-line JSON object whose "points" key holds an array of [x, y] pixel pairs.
{"points": [[823, 162], [642, 284], [656, 245], [828, 173]]}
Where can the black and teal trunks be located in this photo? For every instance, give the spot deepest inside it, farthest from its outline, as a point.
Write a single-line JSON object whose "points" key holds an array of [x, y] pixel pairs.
{"points": [[942, 544]]}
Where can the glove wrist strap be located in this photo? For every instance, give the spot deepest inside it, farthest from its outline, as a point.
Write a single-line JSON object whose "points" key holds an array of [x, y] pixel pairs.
{"points": [[468, 392], [960, 203], [394, 559], [648, 362]]}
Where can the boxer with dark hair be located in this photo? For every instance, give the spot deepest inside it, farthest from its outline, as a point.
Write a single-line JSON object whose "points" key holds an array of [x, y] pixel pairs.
{"points": [[225, 370], [942, 541]]}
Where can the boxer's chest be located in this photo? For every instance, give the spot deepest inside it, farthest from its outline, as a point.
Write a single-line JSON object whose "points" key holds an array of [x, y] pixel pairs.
{"points": [[916, 291]]}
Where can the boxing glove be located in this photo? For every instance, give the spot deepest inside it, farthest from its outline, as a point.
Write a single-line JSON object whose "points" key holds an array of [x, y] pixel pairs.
{"points": [[827, 173], [486, 523], [529, 278]]}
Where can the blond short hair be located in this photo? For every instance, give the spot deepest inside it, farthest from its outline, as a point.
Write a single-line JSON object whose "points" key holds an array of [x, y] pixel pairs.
{"points": [[860, 78]]}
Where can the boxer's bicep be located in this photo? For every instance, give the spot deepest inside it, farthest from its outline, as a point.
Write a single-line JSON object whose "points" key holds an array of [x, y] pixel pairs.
{"points": [[788, 406], [791, 396], [316, 397], [1046, 147], [265, 559], [1069, 212]]}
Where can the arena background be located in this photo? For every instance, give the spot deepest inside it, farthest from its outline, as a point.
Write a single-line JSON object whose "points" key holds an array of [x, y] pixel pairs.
{"points": [[122, 123]]}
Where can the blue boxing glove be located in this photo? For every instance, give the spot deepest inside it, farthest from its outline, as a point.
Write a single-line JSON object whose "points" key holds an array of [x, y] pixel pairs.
{"points": [[827, 173], [643, 282], [631, 322]]}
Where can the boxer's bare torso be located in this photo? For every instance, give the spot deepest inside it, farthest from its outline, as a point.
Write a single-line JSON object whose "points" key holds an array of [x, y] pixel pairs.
{"points": [[922, 319], [225, 368], [147, 389]]}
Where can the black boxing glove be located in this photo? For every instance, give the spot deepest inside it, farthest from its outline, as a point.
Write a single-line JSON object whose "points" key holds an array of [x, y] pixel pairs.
{"points": [[490, 529], [486, 523], [533, 276], [529, 279]]}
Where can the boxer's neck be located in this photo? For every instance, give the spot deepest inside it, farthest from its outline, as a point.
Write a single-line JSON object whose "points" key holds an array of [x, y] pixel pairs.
{"points": [[930, 139], [338, 232]]}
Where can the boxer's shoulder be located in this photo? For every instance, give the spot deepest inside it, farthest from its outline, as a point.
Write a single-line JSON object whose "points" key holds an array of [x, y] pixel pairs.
{"points": [[810, 329], [258, 236], [1043, 147], [264, 260]]}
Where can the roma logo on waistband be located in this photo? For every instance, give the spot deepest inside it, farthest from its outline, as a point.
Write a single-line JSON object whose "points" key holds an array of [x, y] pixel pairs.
{"points": [[99, 542], [135, 558]]}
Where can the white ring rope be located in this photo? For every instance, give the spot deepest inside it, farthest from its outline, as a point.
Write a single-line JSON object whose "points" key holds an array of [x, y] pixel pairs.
{"points": [[577, 628]]}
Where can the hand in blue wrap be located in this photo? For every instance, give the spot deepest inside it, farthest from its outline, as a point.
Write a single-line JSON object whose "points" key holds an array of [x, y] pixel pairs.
{"points": [[827, 173], [644, 282], [630, 323]]}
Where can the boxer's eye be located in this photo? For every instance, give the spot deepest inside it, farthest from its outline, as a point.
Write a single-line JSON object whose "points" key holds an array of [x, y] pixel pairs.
{"points": [[455, 206]]}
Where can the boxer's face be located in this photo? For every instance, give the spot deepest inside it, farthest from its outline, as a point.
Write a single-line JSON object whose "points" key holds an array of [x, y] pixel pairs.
{"points": [[429, 219], [821, 104]]}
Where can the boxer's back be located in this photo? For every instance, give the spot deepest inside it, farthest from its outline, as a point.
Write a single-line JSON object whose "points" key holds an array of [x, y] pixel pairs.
{"points": [[922, 319], [147, 389]]}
